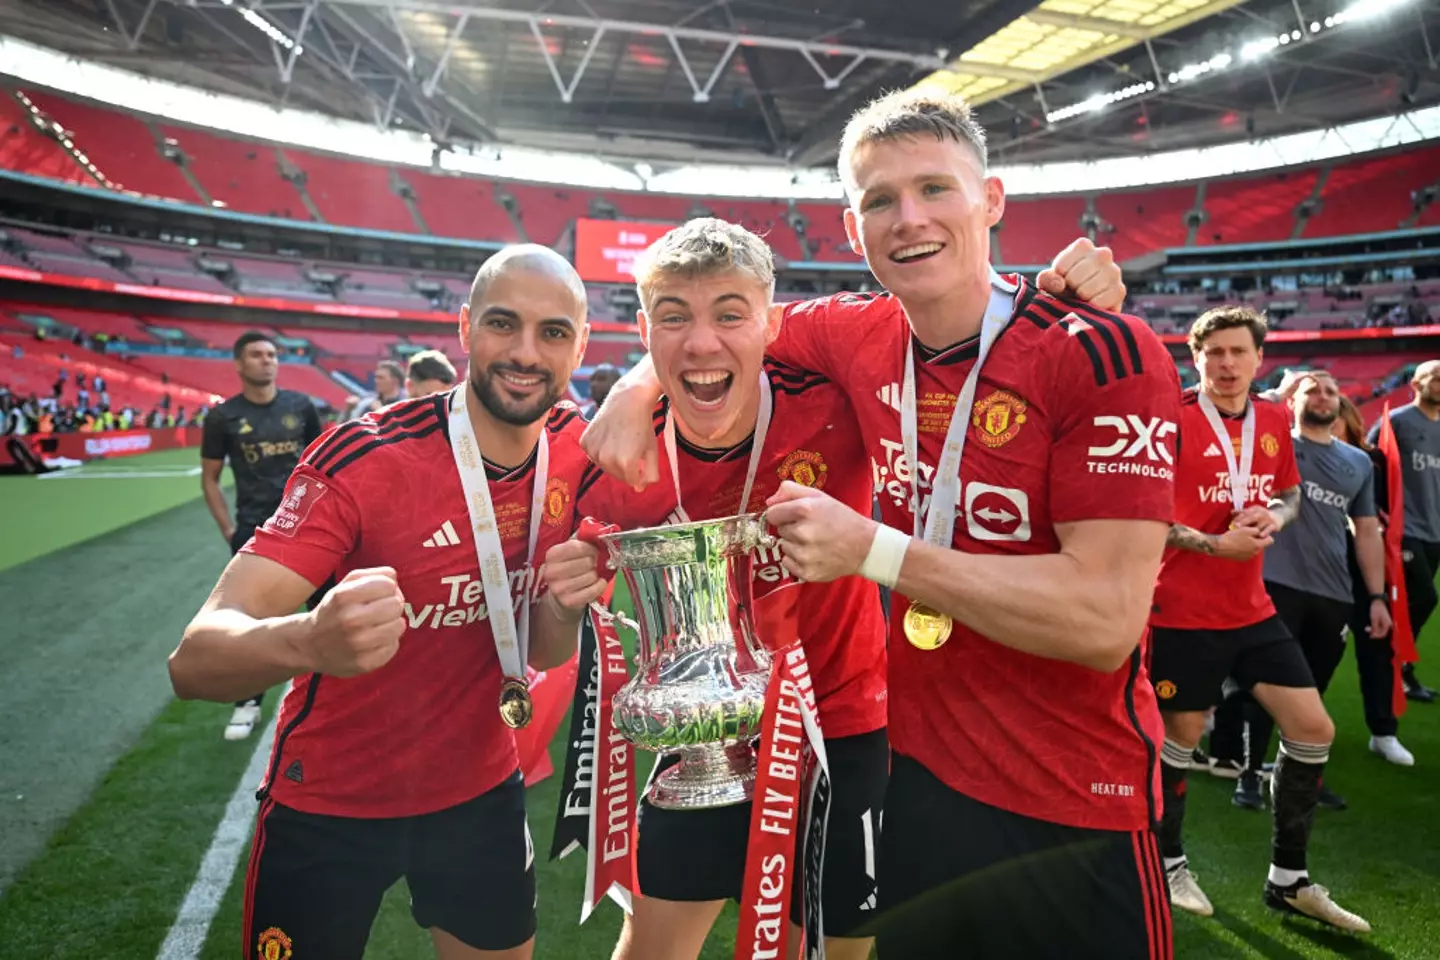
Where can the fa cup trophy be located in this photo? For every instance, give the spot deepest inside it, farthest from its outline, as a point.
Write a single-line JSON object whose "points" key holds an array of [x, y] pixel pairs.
{"points": [[701, 671]]}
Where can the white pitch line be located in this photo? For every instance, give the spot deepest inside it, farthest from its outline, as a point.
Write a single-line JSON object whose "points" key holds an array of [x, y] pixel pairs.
{"points": [[79, 473], [192, 924]]}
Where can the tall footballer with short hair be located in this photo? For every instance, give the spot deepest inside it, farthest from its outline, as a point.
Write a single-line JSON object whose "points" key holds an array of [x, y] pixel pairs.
{"points": [[261, 432], [393, 757], [1021, 449], [1237, 486]]}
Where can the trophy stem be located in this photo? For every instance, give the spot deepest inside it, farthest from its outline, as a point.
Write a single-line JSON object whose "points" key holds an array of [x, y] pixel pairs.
{"points": [[708, 775]]}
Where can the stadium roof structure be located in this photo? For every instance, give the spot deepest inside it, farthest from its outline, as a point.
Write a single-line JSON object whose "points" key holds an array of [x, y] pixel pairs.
{"points": [[772, 81]]}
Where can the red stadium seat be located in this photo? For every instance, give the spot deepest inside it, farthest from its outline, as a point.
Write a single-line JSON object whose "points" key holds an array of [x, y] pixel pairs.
{"points": [[122, 146], [463, 207], [352, 193], [1254, 209], [245, 176], [25, 149], [1373, 195]]}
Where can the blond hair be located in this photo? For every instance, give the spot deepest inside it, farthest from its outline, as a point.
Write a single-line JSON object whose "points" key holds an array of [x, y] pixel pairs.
{"points": [[912, 113], [704, 247]]}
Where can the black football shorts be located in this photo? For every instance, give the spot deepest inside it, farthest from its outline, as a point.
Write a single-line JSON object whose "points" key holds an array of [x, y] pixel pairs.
{"points": [[1189, 667], [315, 882], [960, 878], [699, 855]]}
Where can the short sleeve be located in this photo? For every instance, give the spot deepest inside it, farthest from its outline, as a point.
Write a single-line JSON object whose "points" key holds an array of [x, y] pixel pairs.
{"points": [[822, 335], [316, 526], [1116, 415], [1287, 471], [212, 438], [1363, 503]]}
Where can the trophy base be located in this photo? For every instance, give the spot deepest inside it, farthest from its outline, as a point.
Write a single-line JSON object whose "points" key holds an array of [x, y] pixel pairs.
{"points": [[708, 775]]}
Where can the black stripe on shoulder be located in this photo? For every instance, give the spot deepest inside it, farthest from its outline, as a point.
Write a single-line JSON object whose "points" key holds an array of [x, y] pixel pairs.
{"points": [[1025, 307], [588, 478], [1101, 328], [357, 431], [796, 389], [375, 442], [1118, 323], [562, 417], [657, 419], [791, 374]]}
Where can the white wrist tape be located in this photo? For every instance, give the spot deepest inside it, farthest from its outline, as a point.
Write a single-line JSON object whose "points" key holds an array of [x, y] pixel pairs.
{"points": [[887, 554]]}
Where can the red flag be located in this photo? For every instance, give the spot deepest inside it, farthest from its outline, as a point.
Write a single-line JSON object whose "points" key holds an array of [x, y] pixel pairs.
{"points": [[1403, 635]]}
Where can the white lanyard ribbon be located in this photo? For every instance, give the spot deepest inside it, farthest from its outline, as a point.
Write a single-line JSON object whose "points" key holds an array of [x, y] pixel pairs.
{"points": [[512, 644], [757, 445], [1239, 474], [939, 527]]}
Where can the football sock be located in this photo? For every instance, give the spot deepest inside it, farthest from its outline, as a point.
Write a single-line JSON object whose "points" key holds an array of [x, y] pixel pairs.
{"points": [[1284, 878], [1174, 766], [1296, 793]]}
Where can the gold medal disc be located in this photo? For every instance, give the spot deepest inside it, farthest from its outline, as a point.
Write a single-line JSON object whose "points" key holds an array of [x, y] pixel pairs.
{"points": [[516, 707], [925, 628]]}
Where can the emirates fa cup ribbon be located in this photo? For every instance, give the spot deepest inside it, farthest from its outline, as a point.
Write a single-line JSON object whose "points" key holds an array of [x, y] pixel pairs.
{"points": [[925, 628], [516, 707]]}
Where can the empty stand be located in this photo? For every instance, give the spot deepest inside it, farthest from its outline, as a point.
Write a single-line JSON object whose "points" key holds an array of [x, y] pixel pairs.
{"points": [[219, 336], [1034, 231], [1254, 209], [25, 149], [461, 207], [218, 376], [346, 343], [354, 194], [1374, 194], [547, 212], [826, 232], [766, 219], [245, 176], [39, 365], [120, 145], [1142, 221], [654, 207]]}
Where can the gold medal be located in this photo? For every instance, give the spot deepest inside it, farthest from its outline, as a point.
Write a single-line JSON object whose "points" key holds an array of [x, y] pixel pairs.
{"points": [[516, 707], [925, 628]]}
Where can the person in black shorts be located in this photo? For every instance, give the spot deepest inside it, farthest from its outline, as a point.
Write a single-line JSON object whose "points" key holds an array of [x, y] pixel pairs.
{"points": [[261, 431], [1307, 570], [1237, 485]]}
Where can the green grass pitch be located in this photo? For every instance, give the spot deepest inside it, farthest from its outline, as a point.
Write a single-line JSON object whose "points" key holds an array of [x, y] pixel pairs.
{"points": [[110, 791]]}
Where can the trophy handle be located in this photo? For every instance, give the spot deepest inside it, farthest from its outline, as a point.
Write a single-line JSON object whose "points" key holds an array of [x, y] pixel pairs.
{"points": [[768, 540]]}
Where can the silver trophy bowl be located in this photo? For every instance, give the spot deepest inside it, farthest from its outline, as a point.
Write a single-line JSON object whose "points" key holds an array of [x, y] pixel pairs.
{"points": [[701, 672]]}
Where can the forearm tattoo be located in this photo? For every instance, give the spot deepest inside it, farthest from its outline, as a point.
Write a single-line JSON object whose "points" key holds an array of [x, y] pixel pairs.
{"points": [[1287, 505], [1188, 538]]}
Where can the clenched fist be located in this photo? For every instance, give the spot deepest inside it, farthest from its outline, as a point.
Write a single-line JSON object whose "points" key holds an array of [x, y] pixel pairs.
{"points": [[571, 570], [357, 626]]}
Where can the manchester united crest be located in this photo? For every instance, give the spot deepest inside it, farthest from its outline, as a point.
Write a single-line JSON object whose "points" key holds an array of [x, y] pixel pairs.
{"points": [[1165, 689], [274, 945], [1269, 444], [290, 422], [998, 417], [557, 498], [806, 468]]}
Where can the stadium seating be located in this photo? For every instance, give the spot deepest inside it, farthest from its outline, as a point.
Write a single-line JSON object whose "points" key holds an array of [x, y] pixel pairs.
{"points": [[244, 176], [1254, 209], [654, 207], [1033, 231], [546, 212], [217, 336], [39, 364], [461, 207], [1372, 195], [354, 194], [25, 149], [825, 231], [346, 343], [218, 376], [120, 145], [1141, 221]]}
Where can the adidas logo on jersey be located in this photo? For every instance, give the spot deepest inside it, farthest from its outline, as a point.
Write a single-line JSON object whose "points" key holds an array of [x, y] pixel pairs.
{"points": [[444, 537], [889, 395], [1214, 450]]}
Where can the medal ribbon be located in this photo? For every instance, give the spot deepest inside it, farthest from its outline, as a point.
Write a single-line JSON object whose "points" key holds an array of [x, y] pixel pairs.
{"points": [[939, 526], [1239, 474], [512, 643], [790, 735], [757, 446]]}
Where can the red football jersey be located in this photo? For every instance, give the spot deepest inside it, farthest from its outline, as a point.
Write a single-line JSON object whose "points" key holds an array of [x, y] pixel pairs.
{"points": [[1072, 421], [1199, 592], [423, 732], [812, 441]]}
